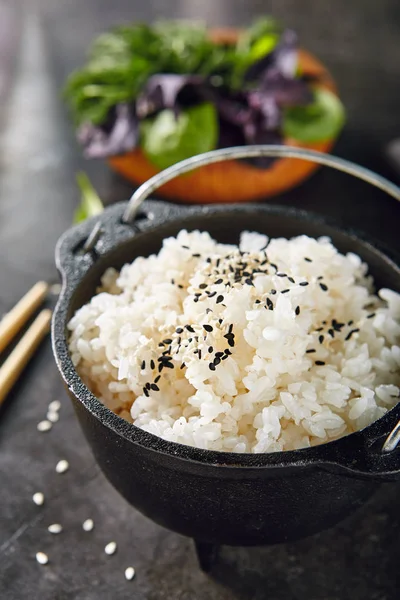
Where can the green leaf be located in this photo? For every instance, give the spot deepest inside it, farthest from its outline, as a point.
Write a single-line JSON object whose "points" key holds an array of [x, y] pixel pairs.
{"points": [[263, 46], [167, 139], [317, 122], [91, 204]]}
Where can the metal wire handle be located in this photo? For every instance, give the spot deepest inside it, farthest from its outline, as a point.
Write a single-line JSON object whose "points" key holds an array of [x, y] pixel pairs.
{"points": [[223, 154]]}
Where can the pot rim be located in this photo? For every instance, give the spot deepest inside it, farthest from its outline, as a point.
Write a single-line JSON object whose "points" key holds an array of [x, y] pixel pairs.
{"points": [[355, 453]]}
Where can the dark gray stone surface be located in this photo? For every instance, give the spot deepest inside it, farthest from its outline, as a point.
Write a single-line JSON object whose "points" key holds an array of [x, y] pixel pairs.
{"points": [[358, 559]]}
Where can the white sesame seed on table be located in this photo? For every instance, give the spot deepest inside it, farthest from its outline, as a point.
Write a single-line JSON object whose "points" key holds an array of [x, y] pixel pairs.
{"points": [[52, 416], [38, 498], [110, 548], [44, 426], [130, 573], [88, 525], [62, 466], [55, 528], [54, 406], [42, 558]]}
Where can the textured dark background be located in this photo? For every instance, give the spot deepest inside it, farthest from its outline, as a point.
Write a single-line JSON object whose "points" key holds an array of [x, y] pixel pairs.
{"points": [[40, 42]]}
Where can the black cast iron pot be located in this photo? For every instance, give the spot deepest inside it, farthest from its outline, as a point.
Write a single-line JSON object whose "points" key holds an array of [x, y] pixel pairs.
{"points": [[220, 497]]}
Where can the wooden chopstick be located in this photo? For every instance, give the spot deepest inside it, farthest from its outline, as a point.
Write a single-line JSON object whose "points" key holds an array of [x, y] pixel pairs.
{"points": [[14, 320], [23, 351]]}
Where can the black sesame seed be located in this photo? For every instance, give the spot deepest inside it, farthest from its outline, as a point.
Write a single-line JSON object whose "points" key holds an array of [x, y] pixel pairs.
{"points": [[371, 315], [219, 299], [281, 275], [179, 330], [331, 332], [196, 351], [197, 294], [195, 299], [350, 323], [307, 259], [217, 361], [248, 281], [173, 281], [208, 311], [152, 364], [224, 357], [230, 328], [297, 310], [231, 342], [321, 339], [147, 386], [320, 329], [154, 387], [208, 259], [185, 247], [199, 354], [160, 367], [169, 365], [161, 345], [257, 301], [218, 281], [246, 274], [210, 349], [348, 336], [183, 365], [228, 352], [310, 351], [274, 265], [270, 304], [211, 366], [291, 279], [208, 328], [303, 283], [196, 255], [217, 263], [157, 379], [320, 363], [143, 365], [323, 287], [319, 278], [285, 291], [218, 355], [273, 292], [167, 341], [189, 328], [180, 286], [146, 393], [190, 340], [212, 294], [220, 321], [202, 286]]}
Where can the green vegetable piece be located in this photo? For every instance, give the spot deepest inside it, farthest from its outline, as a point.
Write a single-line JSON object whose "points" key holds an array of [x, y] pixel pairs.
{"points": [[91, 204], [317, 122], [263, 46], [167, 139]]}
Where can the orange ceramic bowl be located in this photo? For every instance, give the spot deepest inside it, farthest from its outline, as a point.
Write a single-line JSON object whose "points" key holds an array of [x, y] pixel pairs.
{"points": [[232, 181]]}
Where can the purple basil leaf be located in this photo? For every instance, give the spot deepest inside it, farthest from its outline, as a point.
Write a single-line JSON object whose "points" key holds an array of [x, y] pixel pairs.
{"points": [[169, 91], [120, 134], [283, 58], [284, 91]]}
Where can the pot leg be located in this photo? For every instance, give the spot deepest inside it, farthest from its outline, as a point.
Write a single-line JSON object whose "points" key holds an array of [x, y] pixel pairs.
{"points": [[206, 555]]}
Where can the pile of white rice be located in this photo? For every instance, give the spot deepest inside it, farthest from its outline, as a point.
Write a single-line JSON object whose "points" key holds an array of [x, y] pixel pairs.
{"points": [[266, 347]]}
